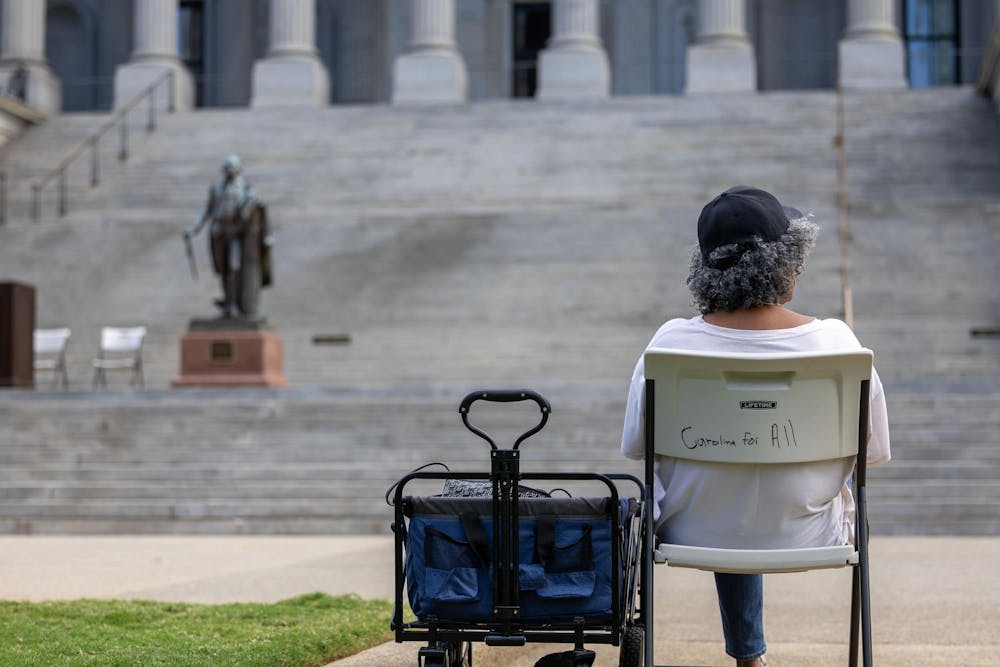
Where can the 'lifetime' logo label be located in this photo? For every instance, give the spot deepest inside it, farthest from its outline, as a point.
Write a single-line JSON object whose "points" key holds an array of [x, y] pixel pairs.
{"points": [[758, 405]]}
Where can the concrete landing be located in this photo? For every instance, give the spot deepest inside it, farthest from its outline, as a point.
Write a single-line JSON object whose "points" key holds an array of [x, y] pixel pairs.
{"points": [[935, 600]]}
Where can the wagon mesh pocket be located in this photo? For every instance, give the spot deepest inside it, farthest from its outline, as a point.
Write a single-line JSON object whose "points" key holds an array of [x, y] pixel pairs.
{"points": [[568, 567], [450, 568]]}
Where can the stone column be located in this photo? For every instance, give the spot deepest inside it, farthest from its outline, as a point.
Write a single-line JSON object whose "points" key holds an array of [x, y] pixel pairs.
{"points": [[154, 52], [23, 55], [291, 74], [722, 57], [432, 69], [871, 52], [574, 64], [995, 47]]}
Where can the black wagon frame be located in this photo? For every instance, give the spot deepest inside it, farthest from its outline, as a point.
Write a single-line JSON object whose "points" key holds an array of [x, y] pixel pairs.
{"points": [[629, 556]]}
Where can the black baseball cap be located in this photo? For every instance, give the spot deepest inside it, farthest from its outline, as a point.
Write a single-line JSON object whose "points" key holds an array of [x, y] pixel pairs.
{"points": [[741, 214]]}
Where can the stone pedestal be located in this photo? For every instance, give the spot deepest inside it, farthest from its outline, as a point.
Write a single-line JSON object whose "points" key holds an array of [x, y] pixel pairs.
{"points": [[721, 68], [291, 80], [42, 90], [134, 78], [574, 65], [871, 57], [218, 357], [22, 55], [291, 74], [431, 70], [722, 58], [155, 54], [429, 77], [573, 74], [872, 64]]}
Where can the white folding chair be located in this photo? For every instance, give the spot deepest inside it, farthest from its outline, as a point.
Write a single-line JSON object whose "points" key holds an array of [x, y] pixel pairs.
{"points": [[120, 349], [821, 397], [50, 354]]}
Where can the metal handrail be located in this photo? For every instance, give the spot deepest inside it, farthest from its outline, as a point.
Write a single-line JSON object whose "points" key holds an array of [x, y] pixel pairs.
{"points": [[120, 119], [3, 199]]}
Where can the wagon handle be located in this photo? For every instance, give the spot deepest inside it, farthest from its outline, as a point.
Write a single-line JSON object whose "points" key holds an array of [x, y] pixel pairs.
{"points": [[504, 396]]}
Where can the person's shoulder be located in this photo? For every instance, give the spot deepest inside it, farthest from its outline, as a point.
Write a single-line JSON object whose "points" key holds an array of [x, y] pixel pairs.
{"points": [[838, 330], [833, 324], [672, 328]]}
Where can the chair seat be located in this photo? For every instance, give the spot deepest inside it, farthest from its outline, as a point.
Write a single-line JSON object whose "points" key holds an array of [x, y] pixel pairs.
{"points": [[743, 561], [47, 364]]}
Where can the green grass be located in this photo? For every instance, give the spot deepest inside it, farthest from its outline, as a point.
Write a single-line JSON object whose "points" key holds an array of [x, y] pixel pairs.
{"points": [[301, 632]]}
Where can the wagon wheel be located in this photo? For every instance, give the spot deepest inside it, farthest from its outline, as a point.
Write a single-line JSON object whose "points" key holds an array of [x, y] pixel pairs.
{"points": [[631, 652], [456, 654], [464, 655], [459, 654]]}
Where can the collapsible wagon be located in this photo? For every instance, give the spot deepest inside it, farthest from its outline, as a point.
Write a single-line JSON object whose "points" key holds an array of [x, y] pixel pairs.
{"points": [[506, 569]]}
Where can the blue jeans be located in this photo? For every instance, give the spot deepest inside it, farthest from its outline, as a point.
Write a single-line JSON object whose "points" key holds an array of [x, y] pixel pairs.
{"points": [[741, 602]]}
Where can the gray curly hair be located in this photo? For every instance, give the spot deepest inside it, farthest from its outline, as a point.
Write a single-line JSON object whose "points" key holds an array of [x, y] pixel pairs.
{"points": [[750, 274]]}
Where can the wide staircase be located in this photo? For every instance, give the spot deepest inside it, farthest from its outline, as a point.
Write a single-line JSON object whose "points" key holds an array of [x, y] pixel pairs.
{"points": [[494, 244]]}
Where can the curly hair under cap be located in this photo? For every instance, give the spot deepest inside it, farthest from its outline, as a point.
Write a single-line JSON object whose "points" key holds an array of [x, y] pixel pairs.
{"points": [[750, 274]]}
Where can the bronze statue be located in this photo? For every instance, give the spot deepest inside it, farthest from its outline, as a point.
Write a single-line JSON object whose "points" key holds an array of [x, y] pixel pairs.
{"points": [[239, 242]]}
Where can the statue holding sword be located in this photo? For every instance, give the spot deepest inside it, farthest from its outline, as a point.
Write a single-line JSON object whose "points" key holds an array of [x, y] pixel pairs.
{"points": [[239, 242]]}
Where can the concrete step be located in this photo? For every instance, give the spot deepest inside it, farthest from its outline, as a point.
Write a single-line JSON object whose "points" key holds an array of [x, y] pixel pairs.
{"points": [[288, 459], [935, 490], [341, 484], [494, 244], [198, 526]]}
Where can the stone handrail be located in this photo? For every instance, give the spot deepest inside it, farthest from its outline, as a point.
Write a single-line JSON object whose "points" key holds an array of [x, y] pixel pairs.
{"points": [[118, 119], [19, 109]]}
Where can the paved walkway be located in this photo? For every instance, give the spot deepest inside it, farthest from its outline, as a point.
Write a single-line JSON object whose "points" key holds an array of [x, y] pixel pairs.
{"points": [[936, 601]]}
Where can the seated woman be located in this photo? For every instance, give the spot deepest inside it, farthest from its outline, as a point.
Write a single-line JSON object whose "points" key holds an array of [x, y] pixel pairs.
{"points": [[750, 251]]}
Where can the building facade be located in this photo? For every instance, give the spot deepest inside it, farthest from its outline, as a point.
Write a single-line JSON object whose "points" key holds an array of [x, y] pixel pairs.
{"points": [[80, 55]]}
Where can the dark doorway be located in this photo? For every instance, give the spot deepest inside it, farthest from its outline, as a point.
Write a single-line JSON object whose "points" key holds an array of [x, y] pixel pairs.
{"points": [[69, 50], [532, 27], [191, 43], [932, 42]]}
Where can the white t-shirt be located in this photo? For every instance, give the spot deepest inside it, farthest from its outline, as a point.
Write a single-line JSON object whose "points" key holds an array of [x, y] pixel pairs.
{"points": [[711, 505]]}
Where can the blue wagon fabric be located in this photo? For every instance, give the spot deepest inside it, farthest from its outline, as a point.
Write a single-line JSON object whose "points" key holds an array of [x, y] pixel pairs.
{"points": [[447, 578]]}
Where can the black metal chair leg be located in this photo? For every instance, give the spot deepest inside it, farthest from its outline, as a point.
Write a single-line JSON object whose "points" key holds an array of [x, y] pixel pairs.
{"points": [[866, 616], [855, 615]]}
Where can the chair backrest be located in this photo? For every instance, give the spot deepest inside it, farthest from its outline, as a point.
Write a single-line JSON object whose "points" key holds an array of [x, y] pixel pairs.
{"points": [[122, 339], [756, 408], [51, 341]]}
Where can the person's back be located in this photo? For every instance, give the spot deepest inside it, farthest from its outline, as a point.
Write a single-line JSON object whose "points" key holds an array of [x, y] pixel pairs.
{"points": [[709, 505], [743, 272]]}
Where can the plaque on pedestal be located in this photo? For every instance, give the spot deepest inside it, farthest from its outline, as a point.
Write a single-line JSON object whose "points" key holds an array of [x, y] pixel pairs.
{"points": [[229, 352]]}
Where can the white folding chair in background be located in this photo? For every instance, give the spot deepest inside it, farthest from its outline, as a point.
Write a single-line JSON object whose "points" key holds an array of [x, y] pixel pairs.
{"points": [[120, 349], [50, 354], [820, 400]]}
